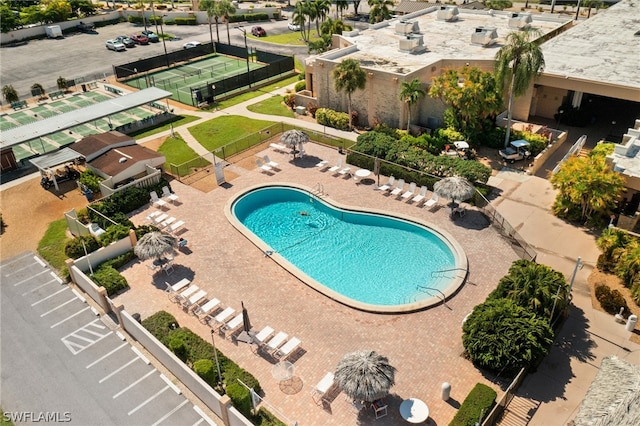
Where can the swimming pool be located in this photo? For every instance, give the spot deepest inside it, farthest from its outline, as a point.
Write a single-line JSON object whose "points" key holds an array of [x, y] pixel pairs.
{"points": [[370, 260]]}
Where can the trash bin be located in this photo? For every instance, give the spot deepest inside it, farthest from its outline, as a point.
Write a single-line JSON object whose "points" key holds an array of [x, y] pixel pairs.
{"points": [[631, 322], [84, 87]]}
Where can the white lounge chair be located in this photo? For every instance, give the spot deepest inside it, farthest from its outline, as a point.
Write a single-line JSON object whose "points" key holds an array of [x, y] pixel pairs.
{"points": [[168, 221], [412, 190], [289, 348], [223, 316], [203, 311], [279, 148], [345, 171], [172, 290], [337, 167], [270, 163], [159, 219], [95, 230], [431, 202], [175, 226], [323, 387], [157, 201], [153, 214], [399, 188], [193, 300], [263, 335], [323, 164], [168, 195], [387, 186], [277, 341], [264, 167], [420, 198], [180, 297], [233, 325]]}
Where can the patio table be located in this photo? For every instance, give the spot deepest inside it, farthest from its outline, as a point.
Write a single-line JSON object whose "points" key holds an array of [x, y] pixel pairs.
{"points": [[414, 410]]}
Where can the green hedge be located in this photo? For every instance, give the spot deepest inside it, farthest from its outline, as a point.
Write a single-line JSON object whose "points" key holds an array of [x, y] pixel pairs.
{"points": [[611, 300], [75, 249], [479, 402], [185, 21], [110, 279], [331, 118], [249, 17]]}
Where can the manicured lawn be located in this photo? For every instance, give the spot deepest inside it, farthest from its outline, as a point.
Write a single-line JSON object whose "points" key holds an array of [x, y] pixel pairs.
{"points": [[176, 151], [51, 246], [292, 37], [250, 95], [179, 120], [222, 130], [272, 106]]}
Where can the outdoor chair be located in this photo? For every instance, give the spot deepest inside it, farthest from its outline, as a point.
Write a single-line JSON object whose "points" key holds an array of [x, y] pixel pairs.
{"points": [[337, 167], [153, 214], [420, 198], [270, 163], [322, 388], [264, 167], [345, 171], [174, 227], [322, 165], [167, 222], [275, 342], [232, 326], [263, 335], [379, 408], [288, 349], [161, 218], [203, 312], [220, 319], [157, 201], [387, 186], [279, 148], [431, 202], [399, 188], [412, 190], [181, 297], [168, 195], [172, 290], [193, 300]]}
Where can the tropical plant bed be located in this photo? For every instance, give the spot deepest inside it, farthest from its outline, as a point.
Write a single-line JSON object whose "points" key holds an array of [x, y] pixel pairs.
{"points": [[598, 277]]}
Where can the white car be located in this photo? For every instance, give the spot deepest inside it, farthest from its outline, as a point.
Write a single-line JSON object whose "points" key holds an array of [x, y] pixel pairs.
{"points": [[190, 44], [293, 27], [115, 45]]}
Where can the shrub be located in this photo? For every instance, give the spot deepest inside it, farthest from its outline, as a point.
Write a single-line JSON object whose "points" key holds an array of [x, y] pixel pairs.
{"points": [[301, 85], [233, 372], [75, 249], [91, 180], [185, 21], [177, 346], [110, 279], [312, 108], [289, 100], [145, 229], [135, 19], [480, 401], [114, 233], [331, 118], [610, 300], [240, 397], [160, 325], [120, 261], [205, 369], [502, 336]]}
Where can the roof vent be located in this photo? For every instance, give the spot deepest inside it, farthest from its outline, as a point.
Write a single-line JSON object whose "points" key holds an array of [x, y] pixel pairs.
{"points": [[412, 43], [484, 36], [407, 27], [447, 13], [520, 20], [122, 160]]}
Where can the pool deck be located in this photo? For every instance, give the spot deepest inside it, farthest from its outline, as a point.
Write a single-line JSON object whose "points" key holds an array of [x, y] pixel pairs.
{"points": [[425, 346]]}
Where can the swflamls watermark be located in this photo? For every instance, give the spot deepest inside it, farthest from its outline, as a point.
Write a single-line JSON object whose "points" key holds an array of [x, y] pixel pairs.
{"points": [[37, 416]]}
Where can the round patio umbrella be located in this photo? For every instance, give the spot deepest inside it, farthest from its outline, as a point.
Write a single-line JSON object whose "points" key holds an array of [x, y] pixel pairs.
{"points": [[294, 139], [155, 245], [365, 375], [455, 188]]}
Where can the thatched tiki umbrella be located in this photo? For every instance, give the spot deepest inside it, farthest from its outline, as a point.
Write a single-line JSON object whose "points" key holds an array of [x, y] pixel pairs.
{"points": [[294, 140], [455, 188], [365, 375], [155, 245]]}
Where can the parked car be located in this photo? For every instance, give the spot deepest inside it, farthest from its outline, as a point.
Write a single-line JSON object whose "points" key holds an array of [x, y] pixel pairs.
{"points": [[190, 44], [153, 37], [293, 27], [115, 45], [258, 32], [126, 41], [517, 150], [139, 39]]}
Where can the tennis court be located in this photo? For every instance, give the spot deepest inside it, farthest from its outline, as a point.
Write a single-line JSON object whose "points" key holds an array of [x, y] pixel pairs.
{"points": [[181, 78]]}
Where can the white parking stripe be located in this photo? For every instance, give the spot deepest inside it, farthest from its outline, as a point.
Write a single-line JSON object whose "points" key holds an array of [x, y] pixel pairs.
{"points": [[106, 355], [69, 317], [18, 270], [58, 307], [39, 287], [57, 278], [16, 260], [204, 416], [134, 383], [151, 398], [40, 261], [200, 421], [30, 278], [108, 376], [167, 381], [166, 416], [142, 357], [49, 296], [78, 295]]}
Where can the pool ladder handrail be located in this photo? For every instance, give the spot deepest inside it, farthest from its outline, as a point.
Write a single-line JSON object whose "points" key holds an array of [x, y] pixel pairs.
{"points": [[441, 294], [433, 273], [319, 189]]}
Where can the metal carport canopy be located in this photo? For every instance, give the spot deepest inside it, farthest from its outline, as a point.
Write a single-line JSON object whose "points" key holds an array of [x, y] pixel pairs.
{"points": [[58, 123], [65, 155]]}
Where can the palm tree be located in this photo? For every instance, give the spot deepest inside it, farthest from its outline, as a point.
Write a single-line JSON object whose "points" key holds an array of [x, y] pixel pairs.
{"points": [[519, 61], [225, 9], [9, 93], [341, 6], [628, 267], [299, 17], [349, 76], [410, 93], [380, 10], [210, 7]]}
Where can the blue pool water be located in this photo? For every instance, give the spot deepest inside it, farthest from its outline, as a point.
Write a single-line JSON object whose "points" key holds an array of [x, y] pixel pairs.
{"points": [[370, 258]]}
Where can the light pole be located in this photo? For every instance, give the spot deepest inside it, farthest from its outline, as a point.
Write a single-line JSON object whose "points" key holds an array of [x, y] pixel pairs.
{"points": [[246, 49], [164, 44], [579, 265], [215, 354]]}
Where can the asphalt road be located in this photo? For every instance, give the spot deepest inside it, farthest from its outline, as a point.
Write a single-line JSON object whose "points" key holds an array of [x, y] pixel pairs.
{"points": [[62, 362], [85, 55]]}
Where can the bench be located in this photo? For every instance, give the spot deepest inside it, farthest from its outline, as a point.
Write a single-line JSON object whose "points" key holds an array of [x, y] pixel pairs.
{"points": [[113, 90], [18, 105], [56, 95]]}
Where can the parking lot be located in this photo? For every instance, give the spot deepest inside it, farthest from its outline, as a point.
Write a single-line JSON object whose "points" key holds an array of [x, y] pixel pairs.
{"points": [[69, 363]]}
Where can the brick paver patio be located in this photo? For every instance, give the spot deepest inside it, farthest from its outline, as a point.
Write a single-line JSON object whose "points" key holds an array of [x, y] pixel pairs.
{"points": [[425, 346]]}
